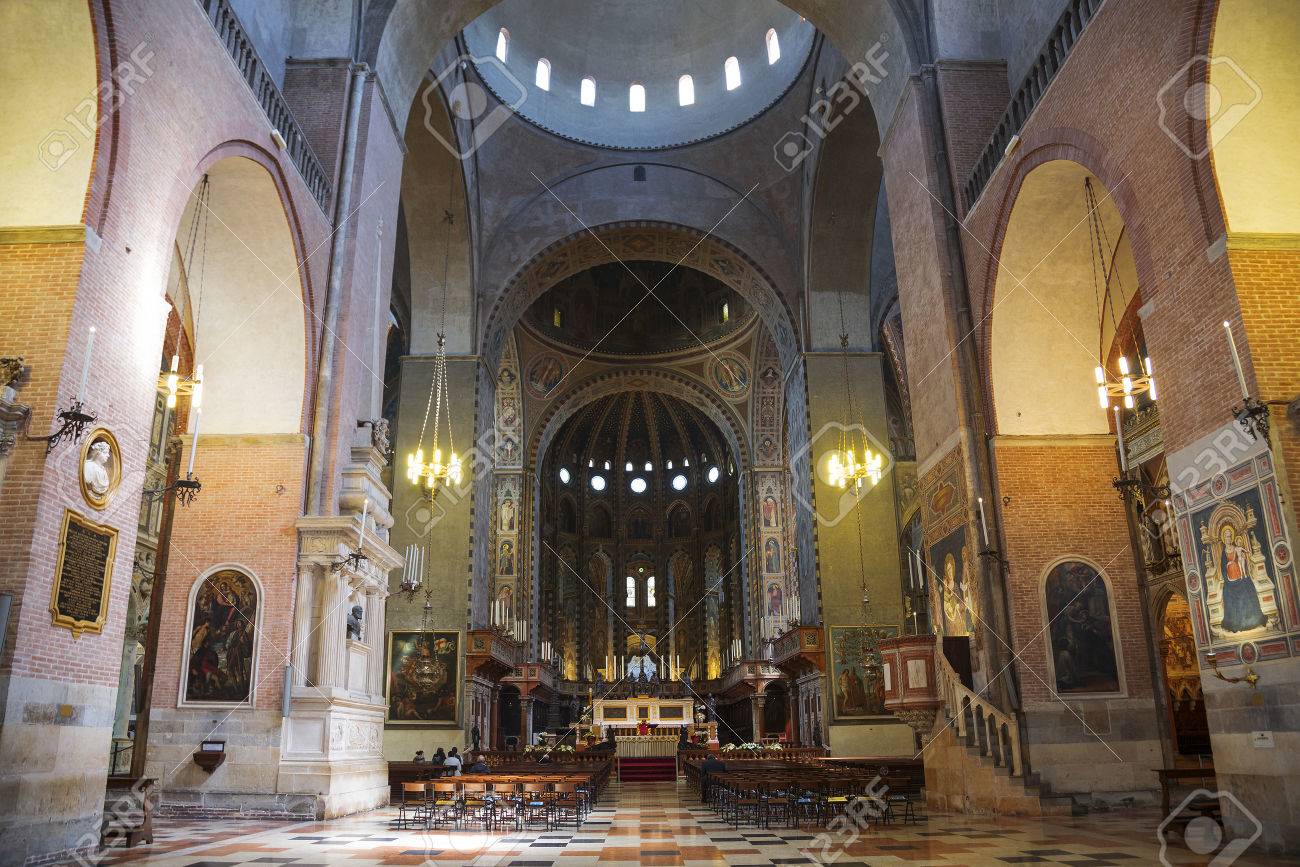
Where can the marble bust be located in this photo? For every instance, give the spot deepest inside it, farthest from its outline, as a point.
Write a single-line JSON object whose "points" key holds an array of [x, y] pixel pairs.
{"points": [[95, 472]]}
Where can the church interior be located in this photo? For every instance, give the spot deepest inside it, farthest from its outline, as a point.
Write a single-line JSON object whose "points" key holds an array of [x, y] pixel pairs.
{"points": [[527, 432]]}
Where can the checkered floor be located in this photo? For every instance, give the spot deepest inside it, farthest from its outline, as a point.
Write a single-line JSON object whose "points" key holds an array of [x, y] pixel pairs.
{"points": [[663, 824]]}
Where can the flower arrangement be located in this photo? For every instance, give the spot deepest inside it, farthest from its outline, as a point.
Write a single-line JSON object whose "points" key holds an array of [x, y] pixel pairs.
{"points": [[564, 748]]}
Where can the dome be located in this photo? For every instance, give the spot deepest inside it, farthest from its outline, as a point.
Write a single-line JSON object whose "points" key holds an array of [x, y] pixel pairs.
{"points": [[622, 46]]}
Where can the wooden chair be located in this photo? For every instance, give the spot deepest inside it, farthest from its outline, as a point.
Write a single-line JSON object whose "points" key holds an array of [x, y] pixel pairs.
{"points": [[566, 802], [475, 806], [412, 809]]}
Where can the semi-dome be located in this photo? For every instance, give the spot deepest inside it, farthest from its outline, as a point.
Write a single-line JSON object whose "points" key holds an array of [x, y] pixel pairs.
{"points": [[637, 74]]}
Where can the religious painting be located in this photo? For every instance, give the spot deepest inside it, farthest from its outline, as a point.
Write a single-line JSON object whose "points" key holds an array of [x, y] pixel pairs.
{"points": [[769, 512], [423, 677], [1082, 638], [952, 575], [856, 670], [508, 512], [729, 374], [222, 639], [506, 559], [775, 598], [772, 557], [1237, 569], [544, 374], [506, 596], [508, 413], [101, 468]]}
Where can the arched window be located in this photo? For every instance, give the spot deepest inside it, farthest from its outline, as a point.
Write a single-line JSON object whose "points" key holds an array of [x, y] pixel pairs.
{"points": [[685, 90], [650, 592], [587, 91], [726, 312], [221, 641], [631, 592], [636, 97], [543, 78], [732, 70], [1078, 610], [773, 47], [503, 44]]}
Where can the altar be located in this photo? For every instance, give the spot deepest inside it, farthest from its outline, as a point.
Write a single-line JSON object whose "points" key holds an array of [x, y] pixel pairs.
{"points": [[630, 712]]}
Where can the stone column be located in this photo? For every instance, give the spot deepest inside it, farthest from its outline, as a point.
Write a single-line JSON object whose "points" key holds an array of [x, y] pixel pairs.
{"points": [[331, 662], [494, 717], [376, 603], [756, 704], [302, 617], [525, 720]]}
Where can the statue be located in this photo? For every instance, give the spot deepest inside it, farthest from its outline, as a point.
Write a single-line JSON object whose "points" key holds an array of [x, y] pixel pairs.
{"points": [[475, 736], [95, 470], [354, 622], [713, 708]]}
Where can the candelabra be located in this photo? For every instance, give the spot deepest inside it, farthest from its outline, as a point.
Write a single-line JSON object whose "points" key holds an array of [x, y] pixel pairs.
{"points": [[1252, 415], [186, 490], [73, 422]]}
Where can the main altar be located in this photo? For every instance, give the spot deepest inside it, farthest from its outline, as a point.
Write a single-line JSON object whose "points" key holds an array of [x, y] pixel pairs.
{"points": [[623, 715]]}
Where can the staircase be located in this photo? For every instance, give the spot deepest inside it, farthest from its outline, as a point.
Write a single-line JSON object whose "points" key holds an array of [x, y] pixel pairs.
{"points": [[660, 769], [973, 762]]}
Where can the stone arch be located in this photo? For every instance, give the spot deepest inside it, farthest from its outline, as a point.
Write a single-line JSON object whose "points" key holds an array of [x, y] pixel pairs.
{"points": [[651, 241], [1041, 315], [252, 302]]}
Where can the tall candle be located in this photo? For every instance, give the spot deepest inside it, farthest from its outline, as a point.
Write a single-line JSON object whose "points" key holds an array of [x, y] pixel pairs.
{"points": [[365, 510], [1232, 345], [194, 443], [984, 527], [85, 366], [1123, 450]]}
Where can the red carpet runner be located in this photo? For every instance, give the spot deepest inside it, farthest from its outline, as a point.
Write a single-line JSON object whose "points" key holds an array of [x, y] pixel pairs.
{"points": [[649, 770]]}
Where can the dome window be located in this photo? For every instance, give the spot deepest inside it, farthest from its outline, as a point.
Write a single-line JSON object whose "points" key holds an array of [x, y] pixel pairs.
{"points": [[636, 97], [732, 70], [679, 482], [649, 467], [773, 47], [714, 472], [503, 44], [685, 90], [564, 475], [543, 77], [587, 91], [598, 483], [638, 485]]}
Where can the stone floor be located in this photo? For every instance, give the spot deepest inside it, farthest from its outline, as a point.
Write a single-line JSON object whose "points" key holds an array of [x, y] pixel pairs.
{"points": [[662, 824]]}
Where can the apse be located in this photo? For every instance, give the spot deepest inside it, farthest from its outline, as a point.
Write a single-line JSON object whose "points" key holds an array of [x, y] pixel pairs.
{"points": [[639, 507]]}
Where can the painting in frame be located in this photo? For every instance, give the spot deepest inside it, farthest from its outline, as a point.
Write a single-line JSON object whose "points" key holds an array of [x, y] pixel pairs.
{"points": [[859, 691], [423, 678]]}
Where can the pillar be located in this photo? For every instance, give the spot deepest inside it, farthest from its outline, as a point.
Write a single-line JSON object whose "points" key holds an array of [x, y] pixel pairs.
{"points": [[525, 720], [331, 660], [756, 704], [376, 639], [302, 615], [494, 717]]}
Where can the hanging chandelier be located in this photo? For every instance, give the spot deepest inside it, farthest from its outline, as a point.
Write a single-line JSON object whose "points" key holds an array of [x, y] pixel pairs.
{"points": [[172, 382], [435, 474], [853, 463], [1130, 382]]}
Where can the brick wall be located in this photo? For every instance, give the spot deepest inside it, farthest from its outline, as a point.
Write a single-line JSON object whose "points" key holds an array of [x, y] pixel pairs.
{"points": [[1062, 504], [244, 517], [973, 97]]}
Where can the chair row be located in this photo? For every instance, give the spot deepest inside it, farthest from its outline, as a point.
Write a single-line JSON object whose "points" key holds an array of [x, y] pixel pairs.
{"points": [[492, 802]]}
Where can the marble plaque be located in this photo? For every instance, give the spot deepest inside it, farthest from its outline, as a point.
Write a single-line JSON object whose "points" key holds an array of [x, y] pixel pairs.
{"points": [[82, 575]]}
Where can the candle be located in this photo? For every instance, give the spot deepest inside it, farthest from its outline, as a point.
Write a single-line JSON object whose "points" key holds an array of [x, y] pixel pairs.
{"points": [[911, 570], [916, 630], [983, 524], [365, 510], [194, 443], [1123, 451], [1232, 345], [85, 366]]}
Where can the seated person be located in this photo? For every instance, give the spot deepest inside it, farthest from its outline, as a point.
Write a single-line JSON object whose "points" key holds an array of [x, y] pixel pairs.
{"points": [[453, 761], [477, 765], [438, 757], [419, 756]]}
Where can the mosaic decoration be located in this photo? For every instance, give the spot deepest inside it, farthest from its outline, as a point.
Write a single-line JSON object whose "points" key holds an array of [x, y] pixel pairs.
{"points": [[544, 374], [728, 372], [222, 641], [509, 410], [856, 673], [423, 677], [1084, 657], [1241, 581]]}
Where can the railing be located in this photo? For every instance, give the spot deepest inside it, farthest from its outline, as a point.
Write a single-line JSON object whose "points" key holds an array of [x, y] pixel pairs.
{"points": [[253, 71], [1050, 60], [977, 721]]}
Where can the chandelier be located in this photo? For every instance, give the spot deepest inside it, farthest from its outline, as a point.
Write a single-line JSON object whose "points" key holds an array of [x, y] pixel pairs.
{"points": [[853, 462], [172, 382], [1130, 382], [437, 473]]}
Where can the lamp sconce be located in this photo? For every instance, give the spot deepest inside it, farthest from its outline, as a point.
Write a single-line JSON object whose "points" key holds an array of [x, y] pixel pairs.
{"points": [[210, 755], [186, 490], [995, 555], [1249, 677], [73, 420], [1252, 415], [352, 561]]}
